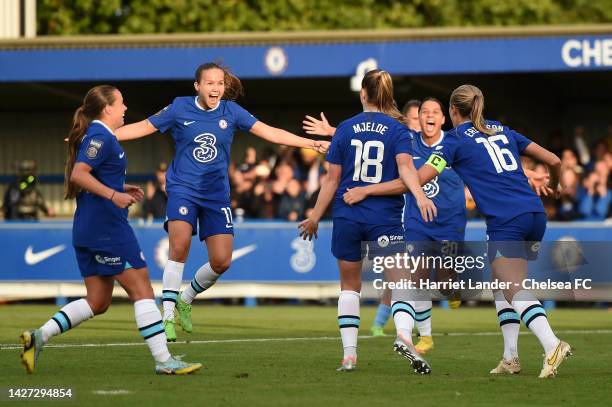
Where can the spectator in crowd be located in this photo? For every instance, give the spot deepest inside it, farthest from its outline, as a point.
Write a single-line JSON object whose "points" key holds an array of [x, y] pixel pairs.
{"points": [[581, 146], [569, 160], [598, 153], [291, 205], [248, 167], [22, 199], [264, 203], [567, 205], [154, 205], [596, 197]]}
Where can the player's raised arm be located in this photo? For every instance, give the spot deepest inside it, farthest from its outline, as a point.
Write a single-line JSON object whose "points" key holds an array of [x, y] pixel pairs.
{"points": [[280, 136], [135, 130], [329, 187], [318, 127]]}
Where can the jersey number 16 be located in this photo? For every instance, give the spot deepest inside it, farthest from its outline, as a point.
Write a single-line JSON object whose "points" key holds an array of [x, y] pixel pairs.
{"points": [[502, 157], [363, 160]]}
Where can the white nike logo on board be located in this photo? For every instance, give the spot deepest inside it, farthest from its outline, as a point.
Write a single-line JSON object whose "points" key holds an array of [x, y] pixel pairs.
{"points": [[186, 123], [243, 251], [32, 258]]}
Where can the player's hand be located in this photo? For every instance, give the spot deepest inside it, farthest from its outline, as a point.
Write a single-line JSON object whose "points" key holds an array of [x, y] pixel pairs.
{"points": [[539, 183], [318, 127], [427, 208], [135, 191], [123, 200], [308, 228], [320, 146], [354, 195]]}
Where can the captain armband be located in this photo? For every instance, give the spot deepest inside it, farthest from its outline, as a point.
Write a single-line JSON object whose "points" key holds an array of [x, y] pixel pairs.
{"points": [[437, 162]]}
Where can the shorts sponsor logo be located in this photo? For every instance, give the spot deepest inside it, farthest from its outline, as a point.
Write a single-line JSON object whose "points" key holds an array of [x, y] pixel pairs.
{"points": [[109, 261], [183, 210], [223, 124], [535, 247]]}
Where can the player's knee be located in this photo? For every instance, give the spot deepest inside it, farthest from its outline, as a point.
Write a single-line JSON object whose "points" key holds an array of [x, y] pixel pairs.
{"points": [[221, 265], [98, 306], [179, 251], [142, 292]]}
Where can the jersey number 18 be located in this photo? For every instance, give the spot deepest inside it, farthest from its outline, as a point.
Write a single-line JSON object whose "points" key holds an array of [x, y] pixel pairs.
{"points": [[363, 160]]}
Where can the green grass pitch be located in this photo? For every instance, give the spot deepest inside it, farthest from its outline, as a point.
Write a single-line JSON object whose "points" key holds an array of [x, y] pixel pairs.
{"points": [[247, 372]]}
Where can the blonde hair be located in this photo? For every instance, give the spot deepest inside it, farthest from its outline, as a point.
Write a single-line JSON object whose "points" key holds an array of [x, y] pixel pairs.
{"points": [[469, 102], [378, 86]]}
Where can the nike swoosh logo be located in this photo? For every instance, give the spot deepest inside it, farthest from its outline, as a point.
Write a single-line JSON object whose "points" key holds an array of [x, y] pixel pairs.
{"points": [[121, 155], [416, 158], [186, 123], [243, 251], [32, 258], [551, 360]]}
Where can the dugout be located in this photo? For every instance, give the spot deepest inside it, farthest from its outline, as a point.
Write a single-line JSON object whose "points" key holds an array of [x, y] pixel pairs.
{"points": [[543, 80]]}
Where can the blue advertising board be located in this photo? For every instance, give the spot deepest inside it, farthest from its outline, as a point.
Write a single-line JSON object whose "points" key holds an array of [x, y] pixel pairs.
{"points": [[263, 251], [406, 57]]}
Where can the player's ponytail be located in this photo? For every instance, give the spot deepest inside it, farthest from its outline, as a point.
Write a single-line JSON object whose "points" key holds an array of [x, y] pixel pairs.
{"points": [[233, 85], [94, 102], [378, 86], [469, 102]]}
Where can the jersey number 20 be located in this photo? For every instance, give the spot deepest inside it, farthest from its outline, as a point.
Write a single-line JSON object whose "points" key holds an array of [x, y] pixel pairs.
{"points": [[363, 160], [502, 157]]}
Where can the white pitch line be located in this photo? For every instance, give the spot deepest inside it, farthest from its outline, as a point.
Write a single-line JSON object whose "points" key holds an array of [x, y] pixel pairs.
{"points": [[111, 392], [12, 346]]}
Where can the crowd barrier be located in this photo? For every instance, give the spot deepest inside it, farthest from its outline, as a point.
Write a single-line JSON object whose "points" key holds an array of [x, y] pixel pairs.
{"points": [[269, 259]]}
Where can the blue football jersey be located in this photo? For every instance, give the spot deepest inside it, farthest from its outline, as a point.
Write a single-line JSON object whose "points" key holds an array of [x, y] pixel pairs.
{"points": [[202, 140], [366, 147], [447, 193], [97, 221], [491, 168]]}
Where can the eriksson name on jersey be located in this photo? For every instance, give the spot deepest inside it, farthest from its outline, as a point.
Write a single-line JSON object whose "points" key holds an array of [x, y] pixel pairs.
{"points": [[369, 126]]}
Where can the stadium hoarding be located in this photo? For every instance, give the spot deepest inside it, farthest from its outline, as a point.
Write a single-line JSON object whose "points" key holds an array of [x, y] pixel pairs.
{"points": [[288, 59], [41, 253]]}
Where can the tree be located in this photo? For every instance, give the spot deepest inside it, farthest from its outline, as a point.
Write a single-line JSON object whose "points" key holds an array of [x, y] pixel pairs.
{"points": [[169, 16]]}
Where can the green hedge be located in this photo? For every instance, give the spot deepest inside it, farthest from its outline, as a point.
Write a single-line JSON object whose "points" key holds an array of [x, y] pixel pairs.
{"points": [[68, 17]]}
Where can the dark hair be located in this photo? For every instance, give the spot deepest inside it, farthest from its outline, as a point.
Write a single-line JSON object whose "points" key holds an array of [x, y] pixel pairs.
{"points": [[233, 86], [410, 104], [469, 101], [432, 99], [95, 101], [378, 86]]}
